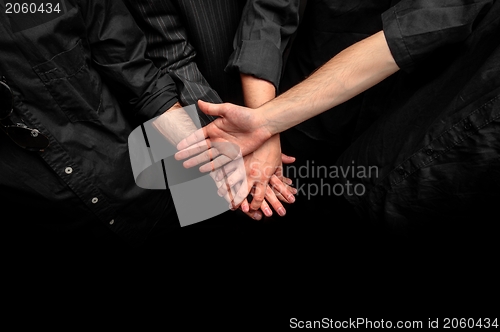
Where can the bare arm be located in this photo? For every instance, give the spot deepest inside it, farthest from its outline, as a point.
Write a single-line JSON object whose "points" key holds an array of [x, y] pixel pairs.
{"points": [[266, 161], [256, 91], [175, 124], [346, 75]]}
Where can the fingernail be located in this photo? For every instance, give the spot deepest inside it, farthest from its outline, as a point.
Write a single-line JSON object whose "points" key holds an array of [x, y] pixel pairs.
{"points": [[268, 212], [257, 216], [291, 198], [219, 193], [245, 208], [281, 211]]}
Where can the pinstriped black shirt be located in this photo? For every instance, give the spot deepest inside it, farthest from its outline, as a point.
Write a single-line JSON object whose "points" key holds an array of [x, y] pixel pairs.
{"points": [[192, 41]]}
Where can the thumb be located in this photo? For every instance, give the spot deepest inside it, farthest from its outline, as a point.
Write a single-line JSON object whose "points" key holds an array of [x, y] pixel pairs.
{"points": [[211, 109], [287, 159]]}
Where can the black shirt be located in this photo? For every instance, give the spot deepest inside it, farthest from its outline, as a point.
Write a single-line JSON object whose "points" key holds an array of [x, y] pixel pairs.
{"points": [[191, 40], [436, 141], [80, 77], [431, 130], [265, 30]]}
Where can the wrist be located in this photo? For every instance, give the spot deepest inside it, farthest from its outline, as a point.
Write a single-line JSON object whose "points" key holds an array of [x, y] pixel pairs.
{"points": [[267, 123]]}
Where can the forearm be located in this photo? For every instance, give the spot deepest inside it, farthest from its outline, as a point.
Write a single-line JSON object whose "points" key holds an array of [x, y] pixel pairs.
{"points": [[346, 75], [175, 124], [256, 91]]}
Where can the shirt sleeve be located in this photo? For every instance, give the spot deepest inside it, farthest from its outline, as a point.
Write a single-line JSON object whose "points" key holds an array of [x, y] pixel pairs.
{"points": [[259, 44], [118, 53], [170, 50], [416, 28]]}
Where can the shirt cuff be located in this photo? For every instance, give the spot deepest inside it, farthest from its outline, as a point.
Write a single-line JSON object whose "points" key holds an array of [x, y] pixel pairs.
{"points": [[159, 99], [259, 58], [395, 40]]}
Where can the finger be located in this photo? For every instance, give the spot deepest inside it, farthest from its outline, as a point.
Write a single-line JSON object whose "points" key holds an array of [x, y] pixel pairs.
{"points": [[230, 194], [208, 155], [279, 186], [212, 109], [193, 150], [287, 159], [244, 206], [274, 201], [233, 203], [278, 194], [222, 184], [230, 182], [255, 215], [221, 187], [215, 164], [241, 194], [292, 190], [258, 195], [235, 195], [266, 209], [279, 173], [286, 180], [237, 171], [229, 149], [225, 170], [281, 197], [197, 136]]}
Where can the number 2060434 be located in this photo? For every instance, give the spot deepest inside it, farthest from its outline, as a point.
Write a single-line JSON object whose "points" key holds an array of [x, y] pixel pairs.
{"points": [[26, 8], [485, 323]]}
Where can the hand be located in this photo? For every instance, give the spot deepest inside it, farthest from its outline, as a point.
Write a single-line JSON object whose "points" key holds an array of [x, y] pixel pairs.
{"points": [[238, 125], [260, 167], [176, 124], [278, 188]]}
